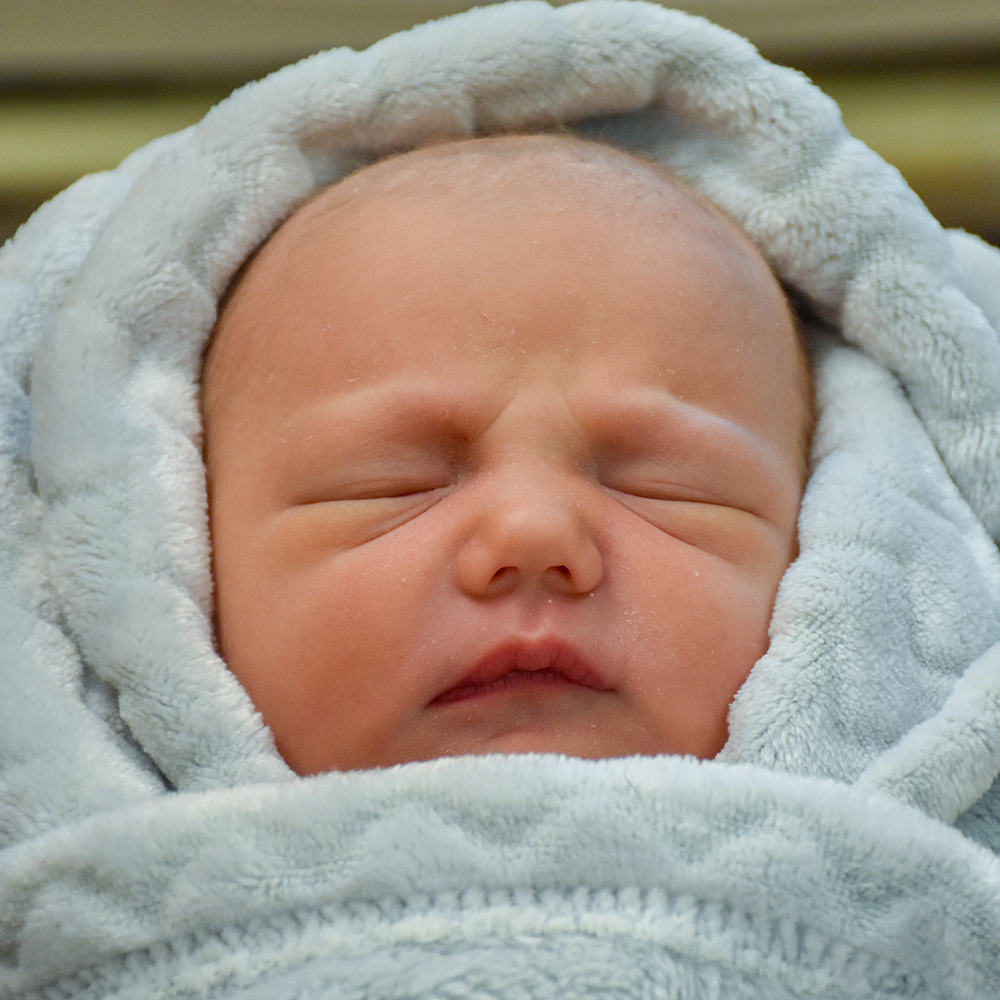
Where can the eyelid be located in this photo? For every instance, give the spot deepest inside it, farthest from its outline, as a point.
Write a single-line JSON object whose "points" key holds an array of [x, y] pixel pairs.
{"points": [[671, 492], [367, 473], [328, 526], [354, 491], [722, 475], [729, 532], [660, 511]]}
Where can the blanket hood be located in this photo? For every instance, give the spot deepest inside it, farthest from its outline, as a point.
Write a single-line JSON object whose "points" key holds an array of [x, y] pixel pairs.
{"points": [[150, 827]]}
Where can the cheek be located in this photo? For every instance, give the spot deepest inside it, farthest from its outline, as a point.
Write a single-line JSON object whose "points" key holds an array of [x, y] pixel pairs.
{"points": [[322, 647], [694, 627], [304, 643]]}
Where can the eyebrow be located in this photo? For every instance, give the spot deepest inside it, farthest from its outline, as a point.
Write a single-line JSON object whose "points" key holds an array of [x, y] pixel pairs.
{"points": [[645, 421], [371, 408], [656, 422]]}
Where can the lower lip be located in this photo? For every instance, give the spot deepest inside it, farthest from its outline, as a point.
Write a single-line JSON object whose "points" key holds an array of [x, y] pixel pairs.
{"points": [[516, 680]]}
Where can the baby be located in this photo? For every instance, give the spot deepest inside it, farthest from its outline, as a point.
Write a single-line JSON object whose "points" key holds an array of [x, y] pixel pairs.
{"points": [[506, 441]]}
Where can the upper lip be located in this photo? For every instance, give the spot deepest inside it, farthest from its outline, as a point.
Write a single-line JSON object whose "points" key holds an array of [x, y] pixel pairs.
{"points": [[526, 657]]}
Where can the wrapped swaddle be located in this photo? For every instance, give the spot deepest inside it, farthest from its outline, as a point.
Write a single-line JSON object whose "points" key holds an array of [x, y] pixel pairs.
{"points": [[155, 844]]}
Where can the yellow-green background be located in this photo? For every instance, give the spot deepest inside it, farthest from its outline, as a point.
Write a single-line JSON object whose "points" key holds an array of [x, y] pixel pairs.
{"points": [[82, 84]]}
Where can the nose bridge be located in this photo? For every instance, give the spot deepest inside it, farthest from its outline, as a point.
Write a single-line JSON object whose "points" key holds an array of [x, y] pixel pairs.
{"points": [[531, 532]]}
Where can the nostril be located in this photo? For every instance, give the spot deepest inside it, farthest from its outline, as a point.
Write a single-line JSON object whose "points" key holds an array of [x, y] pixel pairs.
{"points": [[503, 574], [507, 576], [520, 549]]}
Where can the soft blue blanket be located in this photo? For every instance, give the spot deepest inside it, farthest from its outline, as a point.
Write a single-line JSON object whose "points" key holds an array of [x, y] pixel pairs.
{"points": [[152, 842]]}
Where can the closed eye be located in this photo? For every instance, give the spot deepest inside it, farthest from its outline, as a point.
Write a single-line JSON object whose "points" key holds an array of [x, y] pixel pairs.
{"points": [[326, 524], [716, 526], [668, 491], [374, 490]]}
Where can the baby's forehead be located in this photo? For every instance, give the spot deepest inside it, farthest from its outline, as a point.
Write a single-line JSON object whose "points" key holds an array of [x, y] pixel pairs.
{"points": [[554, 187], [560, 179], [491, 265], [572, 175]]}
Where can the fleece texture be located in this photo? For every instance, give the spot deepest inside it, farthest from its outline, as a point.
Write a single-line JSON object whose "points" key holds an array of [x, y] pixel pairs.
{"points": [[152, 841]]}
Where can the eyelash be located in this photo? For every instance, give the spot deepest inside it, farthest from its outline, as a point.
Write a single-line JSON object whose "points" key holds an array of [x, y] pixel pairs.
{"points": [[668, 492], [376, 491], [393, 490], [705, 524]]}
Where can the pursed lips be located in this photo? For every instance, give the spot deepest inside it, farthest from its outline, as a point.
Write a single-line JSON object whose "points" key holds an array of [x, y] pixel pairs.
{"points": [[521, 664]]}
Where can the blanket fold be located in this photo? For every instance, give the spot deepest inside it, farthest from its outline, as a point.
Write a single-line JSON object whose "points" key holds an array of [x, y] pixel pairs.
{"points": [[556, 877], [152, 841]]}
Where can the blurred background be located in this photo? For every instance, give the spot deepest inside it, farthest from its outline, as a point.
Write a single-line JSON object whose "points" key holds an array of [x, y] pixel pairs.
{"points": [[82, 84]]}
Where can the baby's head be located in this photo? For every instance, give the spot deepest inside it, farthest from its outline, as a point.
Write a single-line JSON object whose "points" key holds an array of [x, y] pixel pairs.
{"points": [[506, 441]]}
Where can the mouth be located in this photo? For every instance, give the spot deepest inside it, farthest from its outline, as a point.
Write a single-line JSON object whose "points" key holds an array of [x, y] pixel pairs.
{"points": [[519, 665]]}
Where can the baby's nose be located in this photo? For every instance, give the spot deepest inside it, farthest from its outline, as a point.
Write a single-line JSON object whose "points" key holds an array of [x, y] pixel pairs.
{"points": [[531, 536]]}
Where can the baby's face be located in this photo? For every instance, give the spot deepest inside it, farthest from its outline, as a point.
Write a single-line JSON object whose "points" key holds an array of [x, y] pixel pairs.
{"points": [[505, 454]]}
